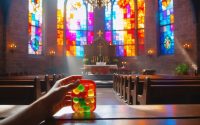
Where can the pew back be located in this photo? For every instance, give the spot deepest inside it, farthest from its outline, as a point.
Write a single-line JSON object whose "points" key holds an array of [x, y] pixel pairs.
{"points": [[19, 91], [168, 91]]}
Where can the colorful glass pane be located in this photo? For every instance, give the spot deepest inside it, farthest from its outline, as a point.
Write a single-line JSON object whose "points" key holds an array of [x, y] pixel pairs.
{"points": [[166, 27], [141, 41], [79, 27], [141, 19], [34, 28], [60, 22], [121, 28], [141, 13], [90, 36], [123, 19], [108, 23]]}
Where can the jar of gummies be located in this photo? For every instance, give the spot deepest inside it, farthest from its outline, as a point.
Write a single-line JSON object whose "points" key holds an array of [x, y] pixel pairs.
{"points": [[84, 96]]}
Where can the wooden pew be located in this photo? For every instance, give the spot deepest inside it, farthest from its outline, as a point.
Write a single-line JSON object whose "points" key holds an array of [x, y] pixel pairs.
{"points": [[121, 82], [124, 86], [45, 80], [128, 89], [54, 78], [170, 91], [117, 84], [131, 90], [19, 91], [114, 81]]}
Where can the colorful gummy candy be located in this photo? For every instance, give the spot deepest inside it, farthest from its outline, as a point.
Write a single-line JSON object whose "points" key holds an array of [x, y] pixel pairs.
{"points": [[84, 96]]}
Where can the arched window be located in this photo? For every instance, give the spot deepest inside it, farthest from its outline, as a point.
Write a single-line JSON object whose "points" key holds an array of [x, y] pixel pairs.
{"points": [[78, 26], [166, 12], [35, 27], [125, 26], [60, 22]]}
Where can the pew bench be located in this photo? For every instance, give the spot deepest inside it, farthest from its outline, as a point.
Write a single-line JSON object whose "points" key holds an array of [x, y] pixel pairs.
{"points": [[19, 91], [168, 91]]}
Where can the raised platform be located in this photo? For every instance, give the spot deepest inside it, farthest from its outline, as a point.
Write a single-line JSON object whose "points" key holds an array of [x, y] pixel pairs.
{"points": [[102, 81]]}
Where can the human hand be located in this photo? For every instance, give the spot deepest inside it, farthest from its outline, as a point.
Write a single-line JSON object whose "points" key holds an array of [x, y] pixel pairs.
{"points": [[46, 106], [55, 99]]}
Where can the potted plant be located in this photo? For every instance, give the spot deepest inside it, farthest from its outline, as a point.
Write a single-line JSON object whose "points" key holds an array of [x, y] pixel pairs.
{"points": [[85, 61], [182, 69]]}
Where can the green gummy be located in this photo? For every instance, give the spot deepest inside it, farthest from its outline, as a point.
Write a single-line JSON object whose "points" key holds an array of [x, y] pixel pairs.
{"points": [[82, 102], [87, 115], [86, 109], [81, 88], [75, 100]]}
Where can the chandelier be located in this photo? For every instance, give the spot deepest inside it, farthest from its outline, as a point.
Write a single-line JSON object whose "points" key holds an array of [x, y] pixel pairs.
{"points": [[98, 3]]}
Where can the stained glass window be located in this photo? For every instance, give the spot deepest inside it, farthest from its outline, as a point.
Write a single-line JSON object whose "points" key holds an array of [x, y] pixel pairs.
{"points": [[35, 27], [140, 31], [166, 27], [121, 28], [60, 22], [79, 27]]}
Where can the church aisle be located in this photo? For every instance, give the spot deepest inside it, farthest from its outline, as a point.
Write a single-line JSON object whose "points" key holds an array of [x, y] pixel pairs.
{"points": [[106, 96]]}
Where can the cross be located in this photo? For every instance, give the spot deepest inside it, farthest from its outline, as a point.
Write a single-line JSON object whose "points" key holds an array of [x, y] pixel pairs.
{"points": [[100, 47], [100, 33]]}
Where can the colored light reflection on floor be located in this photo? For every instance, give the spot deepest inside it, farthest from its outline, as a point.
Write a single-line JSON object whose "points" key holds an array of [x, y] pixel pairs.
{"points": [[68, 113]]}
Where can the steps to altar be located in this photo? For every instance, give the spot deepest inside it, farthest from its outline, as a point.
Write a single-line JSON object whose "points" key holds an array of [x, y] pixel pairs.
{"points": [[102, 81]]}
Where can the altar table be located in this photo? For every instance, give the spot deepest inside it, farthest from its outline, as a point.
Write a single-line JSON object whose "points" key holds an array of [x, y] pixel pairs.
{"points": [[99, 69]]}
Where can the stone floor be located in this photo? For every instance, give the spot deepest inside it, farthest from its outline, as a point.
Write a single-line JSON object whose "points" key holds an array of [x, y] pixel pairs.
{"points": [[106, 96]]}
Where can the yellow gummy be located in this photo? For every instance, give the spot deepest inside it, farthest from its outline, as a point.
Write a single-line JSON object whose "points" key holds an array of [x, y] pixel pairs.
{"points": [[92, 100], [91, 106], [76, 91], [81, 109], [76, 106], [87, 100], [90, 92]]}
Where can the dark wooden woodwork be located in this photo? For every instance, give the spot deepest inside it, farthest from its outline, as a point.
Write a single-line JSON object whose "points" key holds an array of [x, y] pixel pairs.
{"points": [[121, 86], [114, 81], [94, 50], [100, 51], [19, 91], [125, 84], [134, 86], [46, 81], [168, 91], [128, 89]]}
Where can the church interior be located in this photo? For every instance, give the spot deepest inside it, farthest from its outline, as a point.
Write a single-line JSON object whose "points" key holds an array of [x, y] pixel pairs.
{"points": [[142, 58]]}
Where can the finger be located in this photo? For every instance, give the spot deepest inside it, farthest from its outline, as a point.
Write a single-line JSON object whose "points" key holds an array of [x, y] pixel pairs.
{"points": [[71, 78], [71, 86], [67, 80]]}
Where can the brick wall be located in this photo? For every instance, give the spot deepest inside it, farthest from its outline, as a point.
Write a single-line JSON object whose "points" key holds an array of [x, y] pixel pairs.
{"points": [[20, 61], [17, 31]]}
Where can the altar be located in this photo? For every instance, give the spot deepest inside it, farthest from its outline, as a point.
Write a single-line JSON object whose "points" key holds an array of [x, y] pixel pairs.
{"points": [[99, 57], [99, 69]]}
